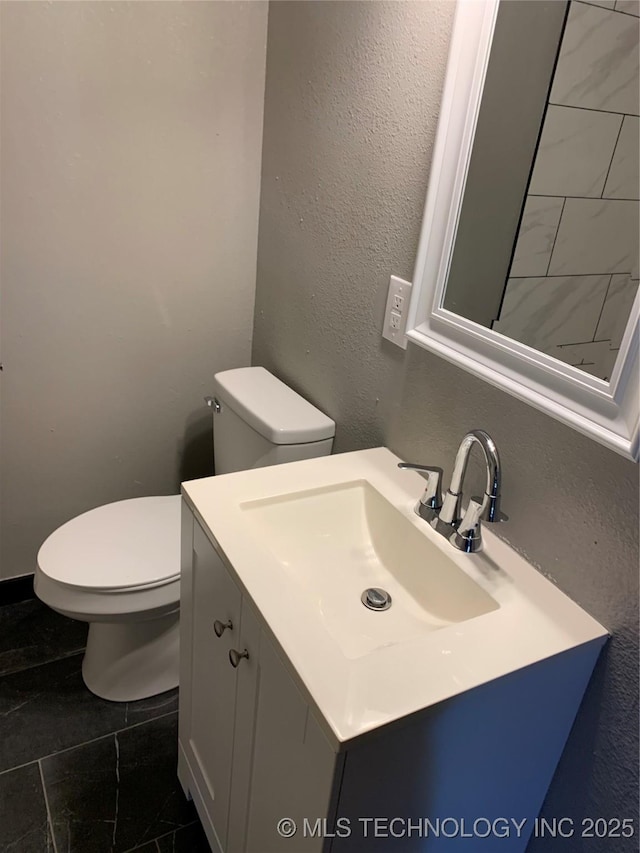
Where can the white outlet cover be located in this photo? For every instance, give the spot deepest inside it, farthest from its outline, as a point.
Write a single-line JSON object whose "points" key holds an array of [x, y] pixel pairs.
{"points": [[396, 332]]}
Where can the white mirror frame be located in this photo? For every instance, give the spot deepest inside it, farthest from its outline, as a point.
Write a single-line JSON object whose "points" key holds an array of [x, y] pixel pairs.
{"points": [[608, 412]]}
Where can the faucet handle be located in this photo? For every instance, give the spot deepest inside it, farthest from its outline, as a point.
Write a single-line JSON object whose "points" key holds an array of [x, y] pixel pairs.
{"points": [[430, 503], [468, 537], [413, 466]]}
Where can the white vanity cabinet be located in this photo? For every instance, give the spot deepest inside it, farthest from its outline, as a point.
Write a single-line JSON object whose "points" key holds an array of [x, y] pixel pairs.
{"points": [[462, 727], [250, 749]]}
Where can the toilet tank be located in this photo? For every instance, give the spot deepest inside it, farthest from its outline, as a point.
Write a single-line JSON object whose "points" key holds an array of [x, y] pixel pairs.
{"points": [[260, 421]]}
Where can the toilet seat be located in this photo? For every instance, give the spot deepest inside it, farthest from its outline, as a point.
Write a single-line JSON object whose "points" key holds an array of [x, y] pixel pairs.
{"points": [[120, 547], [118, 568]]}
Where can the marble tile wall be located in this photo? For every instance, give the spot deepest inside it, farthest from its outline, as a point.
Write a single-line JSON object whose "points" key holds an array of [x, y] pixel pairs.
{"points": [[574, 273]]}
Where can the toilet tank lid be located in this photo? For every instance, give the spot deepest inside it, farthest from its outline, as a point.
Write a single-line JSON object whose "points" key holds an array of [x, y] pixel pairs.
{"points": [[273, 409]]}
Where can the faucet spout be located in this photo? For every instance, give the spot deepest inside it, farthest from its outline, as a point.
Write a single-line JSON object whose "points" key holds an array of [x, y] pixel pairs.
{"points": [[451, 511]]}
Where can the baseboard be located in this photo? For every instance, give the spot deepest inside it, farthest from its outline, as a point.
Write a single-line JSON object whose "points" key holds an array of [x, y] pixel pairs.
{"points": [[13, 590]]}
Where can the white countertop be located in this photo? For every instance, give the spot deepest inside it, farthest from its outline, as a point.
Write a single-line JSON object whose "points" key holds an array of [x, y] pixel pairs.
{"points": [[354, 695]]}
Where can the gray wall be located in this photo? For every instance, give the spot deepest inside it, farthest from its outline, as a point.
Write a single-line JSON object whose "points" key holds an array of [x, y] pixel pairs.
{"points": [[131, 139], [351, 104]]}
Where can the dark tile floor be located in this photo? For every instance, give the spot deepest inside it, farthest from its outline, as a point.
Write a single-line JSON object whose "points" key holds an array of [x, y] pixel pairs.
{"points": [[79, 774]]}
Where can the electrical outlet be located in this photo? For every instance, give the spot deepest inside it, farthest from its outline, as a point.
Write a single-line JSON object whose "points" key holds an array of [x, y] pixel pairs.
{"points": [[395, 313]]}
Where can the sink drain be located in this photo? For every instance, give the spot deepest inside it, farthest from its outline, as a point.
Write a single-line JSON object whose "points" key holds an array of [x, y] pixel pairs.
{"points": [[376, 599]]}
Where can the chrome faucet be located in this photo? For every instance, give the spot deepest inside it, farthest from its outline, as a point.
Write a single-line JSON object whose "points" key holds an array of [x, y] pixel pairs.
{"points": [[445, 516]]}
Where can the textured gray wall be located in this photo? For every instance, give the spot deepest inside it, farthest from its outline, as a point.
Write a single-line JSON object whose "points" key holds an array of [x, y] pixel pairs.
{"points": [[352, 99], [131, 140]]}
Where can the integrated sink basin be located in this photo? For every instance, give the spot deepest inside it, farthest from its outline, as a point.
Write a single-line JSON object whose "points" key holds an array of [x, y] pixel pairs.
{"points": [[336, 541], [304, 540]]}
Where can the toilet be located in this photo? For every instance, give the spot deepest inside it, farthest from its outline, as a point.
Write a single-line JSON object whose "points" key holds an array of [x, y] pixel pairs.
{"points": [[117, 567]]}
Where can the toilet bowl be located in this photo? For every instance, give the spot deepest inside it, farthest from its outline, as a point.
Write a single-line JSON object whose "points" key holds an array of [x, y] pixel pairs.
{"points": [[118, 568]]}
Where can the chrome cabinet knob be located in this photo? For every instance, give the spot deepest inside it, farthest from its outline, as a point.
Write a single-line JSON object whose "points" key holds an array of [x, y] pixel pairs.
{"points": [[220, 627], [235, 657]]}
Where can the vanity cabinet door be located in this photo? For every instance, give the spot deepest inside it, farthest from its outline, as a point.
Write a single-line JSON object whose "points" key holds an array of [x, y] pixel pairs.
{"points": [[216, 602], [249, 676], [294, 767], [252, 750]]}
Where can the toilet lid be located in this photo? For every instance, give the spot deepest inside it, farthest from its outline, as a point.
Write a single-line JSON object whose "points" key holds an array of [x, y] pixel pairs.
{"points": [[120, 545]]}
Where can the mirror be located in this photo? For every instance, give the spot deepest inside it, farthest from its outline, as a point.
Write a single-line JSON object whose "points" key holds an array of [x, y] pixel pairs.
{"points": [[527, 271]]}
